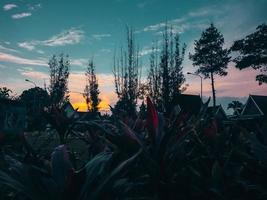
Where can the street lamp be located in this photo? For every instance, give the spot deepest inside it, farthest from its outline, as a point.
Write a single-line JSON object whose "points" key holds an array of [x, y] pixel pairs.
{"points": [[27, 80], [200, 82]]}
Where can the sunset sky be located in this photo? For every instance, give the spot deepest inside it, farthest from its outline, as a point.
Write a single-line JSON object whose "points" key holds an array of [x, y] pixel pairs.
{"points": [[32, 31]]}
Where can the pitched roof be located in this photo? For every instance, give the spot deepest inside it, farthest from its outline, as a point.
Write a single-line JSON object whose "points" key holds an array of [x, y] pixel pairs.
{"points": [[261, 102], [217, 109], [210, 109], [189, 103]]}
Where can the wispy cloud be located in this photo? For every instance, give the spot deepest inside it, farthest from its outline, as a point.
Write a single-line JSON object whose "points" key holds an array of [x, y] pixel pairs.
{"points": [[21, 15], [147, 50], [5, 57], [66, 37], [35, 74], [6, 49], [27, 45], [101, 36], [9, 6], [82, 62], [182, 24], [34, 7], [40, 51], [154, 27]]}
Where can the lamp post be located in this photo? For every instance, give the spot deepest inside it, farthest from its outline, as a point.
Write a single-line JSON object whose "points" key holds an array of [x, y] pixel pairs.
{"points": [[200, 82], [27, 80]]}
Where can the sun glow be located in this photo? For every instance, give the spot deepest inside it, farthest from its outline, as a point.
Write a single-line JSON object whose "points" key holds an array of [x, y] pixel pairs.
{"points": [[78, 102], [81, 106]]}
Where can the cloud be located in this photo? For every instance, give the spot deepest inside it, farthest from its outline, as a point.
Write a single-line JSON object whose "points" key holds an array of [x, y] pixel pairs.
{"points": [[147, 50], [26, 45], [82, 62], [40, 51], [182, 24], [5, 57], [35, 75], [8, 49], [154, 27], [9, 6], [34, 7], [101, 36], [66, 37], [21, 15]]}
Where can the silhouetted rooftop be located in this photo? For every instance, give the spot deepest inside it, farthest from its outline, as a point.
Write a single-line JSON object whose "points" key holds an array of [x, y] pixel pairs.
{"points": [[261, 102], [189, 103]]}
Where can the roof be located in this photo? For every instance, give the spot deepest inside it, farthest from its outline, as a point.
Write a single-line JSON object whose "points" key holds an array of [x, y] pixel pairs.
{"points": [[210, 109], [261, 102], [260, 106], [189, 103], [87, 115], [217, 110]]}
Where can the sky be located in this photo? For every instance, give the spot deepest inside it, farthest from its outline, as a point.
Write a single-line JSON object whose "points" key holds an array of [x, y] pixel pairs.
{"points": [[33, 31]]}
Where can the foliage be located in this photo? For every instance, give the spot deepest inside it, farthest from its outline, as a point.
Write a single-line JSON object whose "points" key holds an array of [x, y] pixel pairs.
{"points": [[159, 158], [253, 52], [35, 100], [165, 77], [59, 74], [5, 93], [127, 74], [237, 107], [210, 57], [91, 91]]}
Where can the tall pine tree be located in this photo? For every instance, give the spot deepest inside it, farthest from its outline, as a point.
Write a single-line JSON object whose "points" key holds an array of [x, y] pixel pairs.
{"points": [[210, 57]]}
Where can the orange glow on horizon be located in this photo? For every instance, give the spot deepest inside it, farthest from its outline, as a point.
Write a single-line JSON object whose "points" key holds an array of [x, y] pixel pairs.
{"points": [[78, 102], [103, 106]]}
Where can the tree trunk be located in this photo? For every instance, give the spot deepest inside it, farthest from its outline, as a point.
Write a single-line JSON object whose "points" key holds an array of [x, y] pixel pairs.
{"points": [[213, 90]]}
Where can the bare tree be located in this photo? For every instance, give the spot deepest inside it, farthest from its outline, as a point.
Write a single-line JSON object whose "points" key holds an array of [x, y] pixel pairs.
{"points": [[127, 73], [165, 75]]}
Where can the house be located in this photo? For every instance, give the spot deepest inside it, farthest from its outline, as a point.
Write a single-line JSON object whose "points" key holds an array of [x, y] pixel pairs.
{"points": [[72, 113], [218, 112], [254, 116], [69, 111], [12, 116], [188, 103], [255, 107]]}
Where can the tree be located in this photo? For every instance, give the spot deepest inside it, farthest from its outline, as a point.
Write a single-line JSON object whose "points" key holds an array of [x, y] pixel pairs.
{"points": [[165, 77], [210, 57], [59, 74], [127, 73], [5, 93], [35, 99], [237, 107], [177, 76], [91, 91], [154, 80], [253, 52]]}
